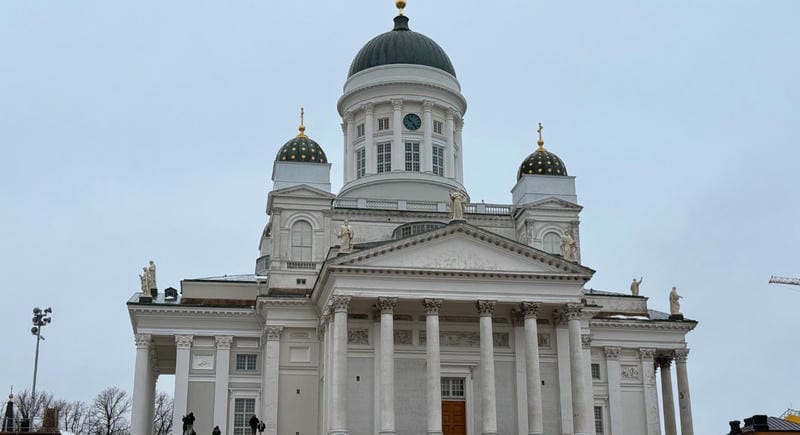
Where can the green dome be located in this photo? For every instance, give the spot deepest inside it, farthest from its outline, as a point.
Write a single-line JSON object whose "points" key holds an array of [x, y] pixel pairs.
{"points": [[542, 162], [301, 149], [401, 46]]}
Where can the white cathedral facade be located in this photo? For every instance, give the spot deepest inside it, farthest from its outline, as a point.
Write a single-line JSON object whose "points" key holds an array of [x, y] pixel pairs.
{"points": [[391, 307]]}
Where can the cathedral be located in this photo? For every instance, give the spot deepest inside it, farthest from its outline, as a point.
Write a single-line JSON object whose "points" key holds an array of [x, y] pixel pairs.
{"points": [[397, 305]]}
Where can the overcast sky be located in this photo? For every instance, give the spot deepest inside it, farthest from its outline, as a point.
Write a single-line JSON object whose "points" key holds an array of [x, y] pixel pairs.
{"points": [[146, 130]]}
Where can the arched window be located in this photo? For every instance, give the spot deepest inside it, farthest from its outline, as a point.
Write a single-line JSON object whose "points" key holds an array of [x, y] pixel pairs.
{"points": [[551, 242], [301, 241]]}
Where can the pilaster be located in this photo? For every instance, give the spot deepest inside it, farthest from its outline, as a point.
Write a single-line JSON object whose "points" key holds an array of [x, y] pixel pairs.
{"points": [[339, 305], [369, 139], [427, 136], [398, 148], [573, 314], [614, 375], [183, 344], [270, 376], [221, 373], [650, 392]]}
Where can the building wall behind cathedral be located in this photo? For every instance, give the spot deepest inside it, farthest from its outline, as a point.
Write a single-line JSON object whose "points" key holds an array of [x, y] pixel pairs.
{"points": [[201, 403]]}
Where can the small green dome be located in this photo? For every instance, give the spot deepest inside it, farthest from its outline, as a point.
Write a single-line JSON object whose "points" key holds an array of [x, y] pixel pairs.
{"points": [[301, 149], [401, 46], [542, 162]]}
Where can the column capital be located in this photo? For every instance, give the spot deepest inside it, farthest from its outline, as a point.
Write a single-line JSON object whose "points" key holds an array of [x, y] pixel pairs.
{"points": [[184, 341], [368, 107], [530, 310], [223, 341], [272, 333], [387, 305], [349, 116], [664, 361], [432, 306], [397, 103], [612, 352], [485, 308], [451, 113], [681, 355], [586, 341], [143, 341], [427, 106], [340, 304], [647, 354], [573, 312]]}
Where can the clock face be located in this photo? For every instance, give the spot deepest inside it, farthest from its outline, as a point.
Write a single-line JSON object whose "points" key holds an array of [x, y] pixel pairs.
{"points": [[412, 121]]}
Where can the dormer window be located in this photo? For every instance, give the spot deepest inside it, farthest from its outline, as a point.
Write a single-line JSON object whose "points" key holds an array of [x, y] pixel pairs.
{"points": [[551, 243]]}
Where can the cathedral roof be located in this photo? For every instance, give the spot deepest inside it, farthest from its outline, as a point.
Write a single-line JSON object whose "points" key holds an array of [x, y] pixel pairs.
{"points": [[301, 148], [542, 162], [401, 45]]}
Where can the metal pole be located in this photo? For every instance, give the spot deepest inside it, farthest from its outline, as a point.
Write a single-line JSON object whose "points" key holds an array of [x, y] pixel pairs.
{"points": [[36, 363]]}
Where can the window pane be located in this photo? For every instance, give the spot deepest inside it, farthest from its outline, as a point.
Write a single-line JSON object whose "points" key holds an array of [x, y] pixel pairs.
{"points": [[360, 163], [301, 241], [412, 156], [598, 420], [384, 158], [595, 371], [552, 243], [243, 409]]}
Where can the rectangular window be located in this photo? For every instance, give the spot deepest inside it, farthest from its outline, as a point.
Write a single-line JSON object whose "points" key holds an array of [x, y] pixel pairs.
{"points": [[438, 127], [383, 124], [412, 156], [453, 388], [598, 420], [360, 130], [438, 160], [246, 362], [595, 371], [384, 158], [361, 162], [243, 409]]}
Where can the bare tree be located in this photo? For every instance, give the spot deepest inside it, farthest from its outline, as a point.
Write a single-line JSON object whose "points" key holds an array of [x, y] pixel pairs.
{"points": [[32, 406], [162, 414], [109, 412], [74, 417]]}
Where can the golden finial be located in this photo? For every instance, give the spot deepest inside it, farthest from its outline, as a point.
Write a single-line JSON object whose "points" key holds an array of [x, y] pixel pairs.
{"points": [[541, 141], [401, 4], [302, 127]]}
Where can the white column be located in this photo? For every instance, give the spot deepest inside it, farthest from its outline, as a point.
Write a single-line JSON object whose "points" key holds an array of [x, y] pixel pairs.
{"points": [[573, 315], [340, 305], [667, 398], [221, 372], [345, 151], [141, 387], [586, 344], [434, 383], [614, 375], [684, 400], [532, 369], [387, 307], [520, 378], [650, 392], [450, 131], [376, 369], [270, 377], [458, 143], [371, 166], [327, 320], [183, 344], [398, 148], [350, 164], [151, 393], [427, 136], [488, 396], [564, 375]]}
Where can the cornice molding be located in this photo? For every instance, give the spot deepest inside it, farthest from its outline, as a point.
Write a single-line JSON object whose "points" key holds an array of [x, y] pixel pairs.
{"points": [[193, 310], [641, 324]]}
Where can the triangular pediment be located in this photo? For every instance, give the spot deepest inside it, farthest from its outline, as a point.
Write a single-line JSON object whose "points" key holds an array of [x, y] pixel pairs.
{"points": [[302, 190], [554, 203], [461, 247]]}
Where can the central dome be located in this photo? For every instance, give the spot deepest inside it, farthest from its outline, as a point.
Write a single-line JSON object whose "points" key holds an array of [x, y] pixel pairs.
{"points": [[401, 46]]}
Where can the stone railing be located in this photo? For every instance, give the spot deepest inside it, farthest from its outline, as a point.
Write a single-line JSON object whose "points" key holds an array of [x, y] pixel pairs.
{"points": [[429, 206], [301, 265]]}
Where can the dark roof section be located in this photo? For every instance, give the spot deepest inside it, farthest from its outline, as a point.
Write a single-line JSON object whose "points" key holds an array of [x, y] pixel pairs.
{"points": [[542, 162], [301, 149], [762, 423], [401, 46]]}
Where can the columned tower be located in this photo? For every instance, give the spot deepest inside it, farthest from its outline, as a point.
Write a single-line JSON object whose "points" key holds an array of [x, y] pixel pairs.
{"points": [[402, 112]]}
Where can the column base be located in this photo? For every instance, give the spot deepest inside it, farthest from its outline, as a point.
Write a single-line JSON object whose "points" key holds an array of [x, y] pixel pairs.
{"points": [[387, 432], [436, 432], [495, 433], [339, 432], [535, 433]]}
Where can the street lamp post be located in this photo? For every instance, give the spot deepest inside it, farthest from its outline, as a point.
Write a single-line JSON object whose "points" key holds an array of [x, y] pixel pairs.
{"points": [[40, 319]]}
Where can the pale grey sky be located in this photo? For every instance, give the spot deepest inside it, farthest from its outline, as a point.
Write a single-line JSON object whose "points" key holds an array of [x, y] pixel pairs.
{"points": [[146, 130]]}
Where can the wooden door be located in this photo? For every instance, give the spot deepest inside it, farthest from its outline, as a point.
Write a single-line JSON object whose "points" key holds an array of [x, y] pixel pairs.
{"points": [[454, 417]]}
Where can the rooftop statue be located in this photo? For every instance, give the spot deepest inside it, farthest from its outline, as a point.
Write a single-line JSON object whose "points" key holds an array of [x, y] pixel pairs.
{"points": [[458, 203], [569, 247], [674, 302], [635, 286], [346, 234]]}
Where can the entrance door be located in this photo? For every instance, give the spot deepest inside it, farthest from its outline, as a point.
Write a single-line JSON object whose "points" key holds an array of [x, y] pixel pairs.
{"points": [[454, 417]]}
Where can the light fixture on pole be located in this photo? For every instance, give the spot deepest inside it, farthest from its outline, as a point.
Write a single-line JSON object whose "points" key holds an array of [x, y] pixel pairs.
{"points": [[40, 319]]}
